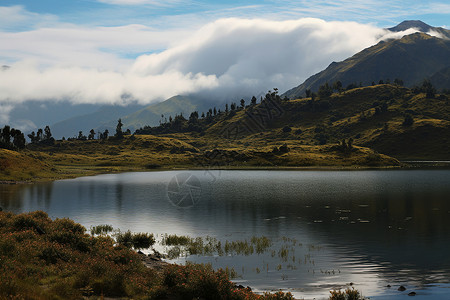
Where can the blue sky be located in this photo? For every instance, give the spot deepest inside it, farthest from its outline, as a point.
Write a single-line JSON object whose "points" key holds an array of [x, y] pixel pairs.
{"points": [[94, 51], [161, 13]]}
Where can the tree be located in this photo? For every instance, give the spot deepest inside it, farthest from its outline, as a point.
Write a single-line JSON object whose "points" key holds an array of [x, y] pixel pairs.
{"points": [[337, 86], [308, 93], [233, 106], [193, 118], [242, 103], [81, 137], [325, 90], [105, 134], [253, 101], [428, 88], [119, 133], [226, 107], [32, 136], [6, 135], [215, 111], [47, 133], [91, 135], [18, 139], [40, 135]]}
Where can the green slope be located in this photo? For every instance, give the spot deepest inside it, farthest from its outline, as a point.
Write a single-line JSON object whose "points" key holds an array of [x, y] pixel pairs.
{"points": [[372, 116]]}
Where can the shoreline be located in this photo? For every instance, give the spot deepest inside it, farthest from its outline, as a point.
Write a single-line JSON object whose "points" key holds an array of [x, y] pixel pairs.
{"points": [[405, 165]]}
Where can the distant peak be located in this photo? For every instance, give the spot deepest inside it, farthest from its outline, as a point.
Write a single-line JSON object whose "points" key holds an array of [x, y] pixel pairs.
{"points": [[4, 67], [408, 24]]}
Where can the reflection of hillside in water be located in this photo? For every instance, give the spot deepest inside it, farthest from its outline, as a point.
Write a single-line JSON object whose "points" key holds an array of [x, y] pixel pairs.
{"points": [[13, 196], [395, 219]]}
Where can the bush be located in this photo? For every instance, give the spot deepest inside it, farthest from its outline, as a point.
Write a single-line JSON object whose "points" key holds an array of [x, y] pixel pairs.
{"points": [[287, 129]]}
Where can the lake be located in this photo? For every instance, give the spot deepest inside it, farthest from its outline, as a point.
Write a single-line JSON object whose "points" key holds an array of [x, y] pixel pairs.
{"points": [[372, 228]]}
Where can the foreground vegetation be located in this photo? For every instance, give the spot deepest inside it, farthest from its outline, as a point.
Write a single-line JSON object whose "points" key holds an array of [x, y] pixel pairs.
{"points": [[42, 258]]}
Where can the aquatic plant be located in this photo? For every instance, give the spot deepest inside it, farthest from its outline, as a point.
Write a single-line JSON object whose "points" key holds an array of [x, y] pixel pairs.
{"points": [[101, 229], [347, 294]]}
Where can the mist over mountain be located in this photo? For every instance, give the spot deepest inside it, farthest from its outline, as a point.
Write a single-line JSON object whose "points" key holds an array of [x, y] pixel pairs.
{"points": [[412, 58], [421, 26]]}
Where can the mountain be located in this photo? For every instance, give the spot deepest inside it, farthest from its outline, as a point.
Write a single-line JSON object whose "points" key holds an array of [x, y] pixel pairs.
{"points": [[103, 118], [411, 58], [30, 115], [421, 26], [441, 79], [133, 116], [151, 115]]}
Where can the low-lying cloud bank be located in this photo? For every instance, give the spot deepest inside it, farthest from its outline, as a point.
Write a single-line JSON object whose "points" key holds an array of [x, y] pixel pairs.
{"points": [[226, 58]]}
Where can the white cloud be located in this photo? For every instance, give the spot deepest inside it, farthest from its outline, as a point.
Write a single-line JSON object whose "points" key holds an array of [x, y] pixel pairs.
{"points": [[229, 57], [5, 109], [103, 47]]}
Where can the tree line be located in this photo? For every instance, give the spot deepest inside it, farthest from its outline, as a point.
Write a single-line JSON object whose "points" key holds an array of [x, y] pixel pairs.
{"points": [[198, 122]]}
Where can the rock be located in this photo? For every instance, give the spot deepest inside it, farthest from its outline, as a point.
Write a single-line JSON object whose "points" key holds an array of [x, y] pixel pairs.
{"points": [[388, 286], [402, 288], [140, 252], [412, 294]]}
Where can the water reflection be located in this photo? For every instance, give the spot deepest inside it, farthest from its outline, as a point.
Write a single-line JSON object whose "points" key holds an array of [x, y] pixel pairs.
{"points": [[370, 227]]}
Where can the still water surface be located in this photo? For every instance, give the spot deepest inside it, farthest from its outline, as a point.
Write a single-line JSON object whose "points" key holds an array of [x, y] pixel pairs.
{"points": [[371, 228]]}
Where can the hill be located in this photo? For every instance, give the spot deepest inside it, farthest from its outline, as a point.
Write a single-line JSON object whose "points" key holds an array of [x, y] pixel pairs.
{"points": [[411, 59], [390, 119], [20, 166]]}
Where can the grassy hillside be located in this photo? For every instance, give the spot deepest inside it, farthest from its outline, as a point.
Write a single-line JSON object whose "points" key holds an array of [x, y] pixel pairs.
{"points": [[372, 116], [24, 166]]}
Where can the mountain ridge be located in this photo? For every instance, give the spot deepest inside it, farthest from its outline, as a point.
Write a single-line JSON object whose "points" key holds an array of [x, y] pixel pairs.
{"points": [[412, 58]]}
